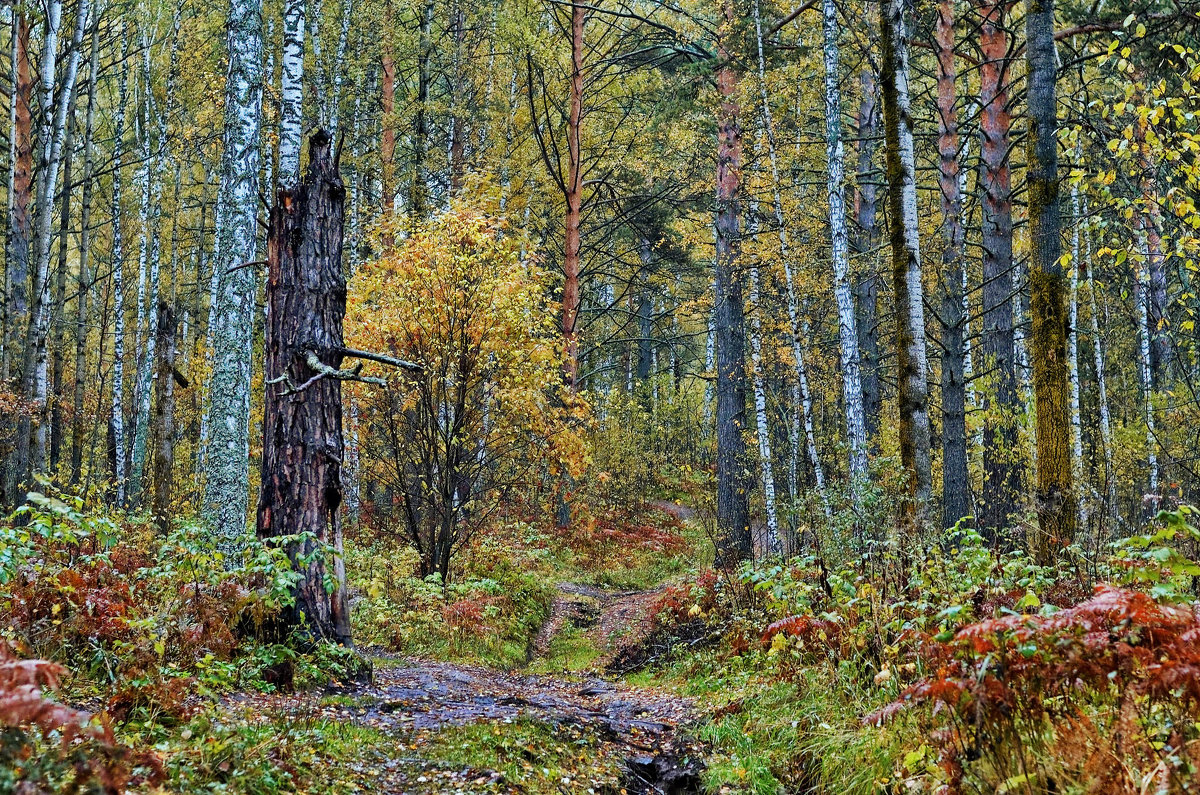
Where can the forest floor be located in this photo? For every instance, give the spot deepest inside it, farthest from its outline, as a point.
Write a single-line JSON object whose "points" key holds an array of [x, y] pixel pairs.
{"points": [[563, 724]]}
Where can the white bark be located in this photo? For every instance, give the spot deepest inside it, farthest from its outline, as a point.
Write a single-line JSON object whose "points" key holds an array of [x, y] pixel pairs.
{"points": [[52, 135], [291, 98], [1101, 381], [335, 98], [1142, 301], [914, 386], [1073, 347], [760, 402], [10, 20], [118, 277], [148, 273], [227, 481], [800, 388], [856, 432]]}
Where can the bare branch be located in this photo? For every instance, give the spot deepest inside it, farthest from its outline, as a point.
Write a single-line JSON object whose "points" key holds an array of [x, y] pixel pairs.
{"points": [[391, 361]]}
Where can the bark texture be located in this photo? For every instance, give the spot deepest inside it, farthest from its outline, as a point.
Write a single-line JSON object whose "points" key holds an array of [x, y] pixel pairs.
{"points": [[1055, 498], [955, 481], [574, 197], [1001, 467], [301, 489], [856, 432], [733, 486], [227, 476], [164, 417], [912, 384]]}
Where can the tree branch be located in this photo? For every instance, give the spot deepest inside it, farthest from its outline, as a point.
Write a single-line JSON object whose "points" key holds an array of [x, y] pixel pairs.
{"points": [[391, 361]]}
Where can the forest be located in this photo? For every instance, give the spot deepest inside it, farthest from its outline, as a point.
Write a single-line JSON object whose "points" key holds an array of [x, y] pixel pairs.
{"points": [[621, 397]]}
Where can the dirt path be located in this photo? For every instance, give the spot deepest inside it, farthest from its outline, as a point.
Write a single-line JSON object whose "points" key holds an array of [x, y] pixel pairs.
{"points": [[609, 724]]}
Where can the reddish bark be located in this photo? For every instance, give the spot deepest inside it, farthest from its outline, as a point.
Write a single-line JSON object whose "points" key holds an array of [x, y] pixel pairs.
{"points": [[574, 195], [1002, 476], [733, 487], [387, 141]]}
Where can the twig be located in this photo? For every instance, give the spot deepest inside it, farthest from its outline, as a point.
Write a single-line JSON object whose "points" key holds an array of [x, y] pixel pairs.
{"points": [[250, 264]]}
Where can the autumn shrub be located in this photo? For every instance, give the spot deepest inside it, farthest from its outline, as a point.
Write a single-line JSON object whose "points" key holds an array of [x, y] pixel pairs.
{"points": [[48, 746], [1103, 695], [484, 411], [490, 611], [139, 616]]}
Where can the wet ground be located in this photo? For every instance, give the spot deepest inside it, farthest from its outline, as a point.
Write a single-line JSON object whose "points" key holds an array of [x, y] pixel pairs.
{"points": [[607, 724]]}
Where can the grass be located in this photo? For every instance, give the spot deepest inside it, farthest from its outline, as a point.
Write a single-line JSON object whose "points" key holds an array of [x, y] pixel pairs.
{"points": [[572, 650], [767, 734], [532, 756]]}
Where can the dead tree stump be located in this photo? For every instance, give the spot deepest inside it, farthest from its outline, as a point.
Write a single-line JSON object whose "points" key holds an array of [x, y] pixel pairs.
{"points": [[301, 490]]}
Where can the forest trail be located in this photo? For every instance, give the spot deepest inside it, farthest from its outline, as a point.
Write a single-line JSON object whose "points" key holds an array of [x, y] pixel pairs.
{"points": [[606, 724]]}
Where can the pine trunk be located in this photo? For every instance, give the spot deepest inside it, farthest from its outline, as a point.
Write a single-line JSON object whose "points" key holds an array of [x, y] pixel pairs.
{"points": [[574, 197], [301, 489], [955, 479], [733, 487], [1001, 468]]}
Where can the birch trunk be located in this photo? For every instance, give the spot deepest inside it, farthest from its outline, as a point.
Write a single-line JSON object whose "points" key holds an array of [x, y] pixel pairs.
{"points": [[117, 422], [53, 133], [227, 481], [11, 21], [913, 389], [1106, 439], [85, 280], [335, 95], [1145, 367], [291, 92], [802, 408], [149, 253], [1073, 344], [856, 434], [766, 465], [20, 229], [58, 317]]}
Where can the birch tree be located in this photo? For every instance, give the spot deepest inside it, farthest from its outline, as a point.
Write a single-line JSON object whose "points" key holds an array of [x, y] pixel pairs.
{"points": [[57, 99], [913, 389], [227, 483], [117, 420], [291, 96], [856, 435], [801, 400]]}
